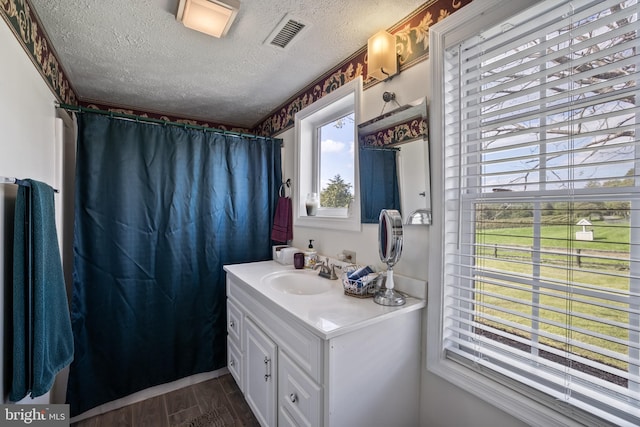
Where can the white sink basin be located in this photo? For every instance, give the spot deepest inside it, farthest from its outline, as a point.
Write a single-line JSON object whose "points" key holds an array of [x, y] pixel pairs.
{"points": [[298, 282]]}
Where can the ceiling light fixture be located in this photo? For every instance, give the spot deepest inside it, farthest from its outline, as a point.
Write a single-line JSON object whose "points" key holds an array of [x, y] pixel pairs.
{"points": [[211, 17], [383, 56]]}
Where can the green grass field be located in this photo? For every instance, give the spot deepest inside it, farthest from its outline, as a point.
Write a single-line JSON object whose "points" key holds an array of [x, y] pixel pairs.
{"points": [[607, 237], [612, 239]]}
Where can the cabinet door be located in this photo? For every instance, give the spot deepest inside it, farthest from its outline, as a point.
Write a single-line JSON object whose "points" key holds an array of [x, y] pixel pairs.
{"points": [[260, 374]]}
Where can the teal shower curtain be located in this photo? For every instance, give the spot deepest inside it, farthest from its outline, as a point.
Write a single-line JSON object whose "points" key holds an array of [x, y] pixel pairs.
{"points": [[159, 210]]}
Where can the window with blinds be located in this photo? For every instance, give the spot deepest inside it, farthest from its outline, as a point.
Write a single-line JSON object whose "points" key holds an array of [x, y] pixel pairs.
{"points": [[542, 205]]}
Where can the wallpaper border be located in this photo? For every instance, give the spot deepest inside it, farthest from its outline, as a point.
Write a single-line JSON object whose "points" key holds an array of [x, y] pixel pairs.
{"points": [[23, 22]]}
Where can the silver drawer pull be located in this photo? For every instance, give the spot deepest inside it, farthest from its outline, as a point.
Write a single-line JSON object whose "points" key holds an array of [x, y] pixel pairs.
{"points": [[293, 398], [267, 367]]}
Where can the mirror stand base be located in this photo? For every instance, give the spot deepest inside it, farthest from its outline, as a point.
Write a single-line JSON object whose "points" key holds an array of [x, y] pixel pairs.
{"points": [[388, 297]]}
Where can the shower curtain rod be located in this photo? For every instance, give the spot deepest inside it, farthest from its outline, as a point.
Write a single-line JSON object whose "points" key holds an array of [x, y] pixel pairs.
{"points": [[137, 118]]}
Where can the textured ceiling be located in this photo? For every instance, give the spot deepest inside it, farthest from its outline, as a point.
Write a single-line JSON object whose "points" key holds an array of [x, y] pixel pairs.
{"points": [[134, 53]]}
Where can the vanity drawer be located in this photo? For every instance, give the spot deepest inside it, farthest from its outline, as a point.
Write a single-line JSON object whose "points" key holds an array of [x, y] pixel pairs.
{"points": [[285, 419], [234, 323], [299, 397], [234, 363]]}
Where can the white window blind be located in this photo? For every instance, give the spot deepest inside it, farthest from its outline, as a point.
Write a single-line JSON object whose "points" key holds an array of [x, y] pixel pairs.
{"points": [[542, 205]]}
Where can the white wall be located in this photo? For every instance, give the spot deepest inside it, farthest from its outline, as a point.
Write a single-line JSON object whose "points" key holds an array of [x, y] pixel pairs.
{"points": [[27, 138], [442, 404]]}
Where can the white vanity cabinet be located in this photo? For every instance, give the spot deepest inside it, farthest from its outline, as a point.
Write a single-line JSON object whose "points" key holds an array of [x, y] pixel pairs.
{"points": [[280, 371], [356, 364]]}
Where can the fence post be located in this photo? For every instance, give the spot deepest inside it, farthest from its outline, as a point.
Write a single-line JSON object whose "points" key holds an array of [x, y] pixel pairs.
{"points": [[579, 258], [495, 250]]}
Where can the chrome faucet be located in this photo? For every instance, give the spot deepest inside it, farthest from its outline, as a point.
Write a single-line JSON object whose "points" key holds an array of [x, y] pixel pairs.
{"points": [[326, 271]]}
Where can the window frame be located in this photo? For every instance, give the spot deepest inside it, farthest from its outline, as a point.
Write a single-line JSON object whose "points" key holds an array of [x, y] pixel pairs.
{"points": [[498, 390], [338, 103]]}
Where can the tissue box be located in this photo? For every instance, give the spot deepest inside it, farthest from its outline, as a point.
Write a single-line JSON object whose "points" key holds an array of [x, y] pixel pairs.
{"points": [[285, 255], [276, 251]]}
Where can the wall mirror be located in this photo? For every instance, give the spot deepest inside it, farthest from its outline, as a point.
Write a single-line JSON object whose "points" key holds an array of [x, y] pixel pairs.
{"points": [[394, 164]]}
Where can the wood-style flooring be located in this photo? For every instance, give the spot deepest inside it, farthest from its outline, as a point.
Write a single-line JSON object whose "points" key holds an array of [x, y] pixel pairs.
{"points": [[181, 406]]}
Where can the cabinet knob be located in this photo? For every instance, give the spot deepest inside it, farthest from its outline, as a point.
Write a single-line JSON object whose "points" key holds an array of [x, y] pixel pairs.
{"points": [[232, 362], [232, 324], [293, 398]]}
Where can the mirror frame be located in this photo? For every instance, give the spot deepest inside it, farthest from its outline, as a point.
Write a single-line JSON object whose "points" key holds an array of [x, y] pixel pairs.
{"points": [[390, 236], [405, 124]]}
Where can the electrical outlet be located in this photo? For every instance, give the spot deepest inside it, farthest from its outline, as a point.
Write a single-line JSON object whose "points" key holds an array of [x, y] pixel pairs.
{"points": [[349, 256]]}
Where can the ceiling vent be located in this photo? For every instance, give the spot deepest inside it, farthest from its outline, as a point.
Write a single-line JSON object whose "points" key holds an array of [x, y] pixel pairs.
{"points": [[284, 33]]}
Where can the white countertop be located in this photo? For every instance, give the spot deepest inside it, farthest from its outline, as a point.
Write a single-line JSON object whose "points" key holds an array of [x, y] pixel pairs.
{"points": [[328, 314]]}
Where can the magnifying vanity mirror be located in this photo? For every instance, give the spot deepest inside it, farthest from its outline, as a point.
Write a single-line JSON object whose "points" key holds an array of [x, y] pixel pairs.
{"points": [[390, 235], [394, 164]]}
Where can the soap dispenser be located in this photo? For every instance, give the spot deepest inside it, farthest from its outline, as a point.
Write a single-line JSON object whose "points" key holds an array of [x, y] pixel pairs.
{"points": [[310, 256]]}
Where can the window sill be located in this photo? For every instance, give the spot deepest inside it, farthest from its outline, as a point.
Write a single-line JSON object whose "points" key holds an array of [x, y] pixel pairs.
{"points": [[327, 222], [506, 398]]}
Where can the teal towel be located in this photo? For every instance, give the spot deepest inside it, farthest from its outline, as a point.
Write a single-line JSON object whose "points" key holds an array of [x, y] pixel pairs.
{"points": [[52, 339]]}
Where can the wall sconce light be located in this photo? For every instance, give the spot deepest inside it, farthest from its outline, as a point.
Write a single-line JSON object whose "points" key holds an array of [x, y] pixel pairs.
{"points": [[211, 17], [383, 57]]}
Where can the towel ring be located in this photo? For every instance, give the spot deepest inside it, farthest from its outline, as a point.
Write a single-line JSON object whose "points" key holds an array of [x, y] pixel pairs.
{"points": [[282, 193]]}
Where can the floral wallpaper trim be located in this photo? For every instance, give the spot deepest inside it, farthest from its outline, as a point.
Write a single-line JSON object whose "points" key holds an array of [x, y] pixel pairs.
{"points": [[412, 35], [165, 117], [398, 134], [25, 25]]}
